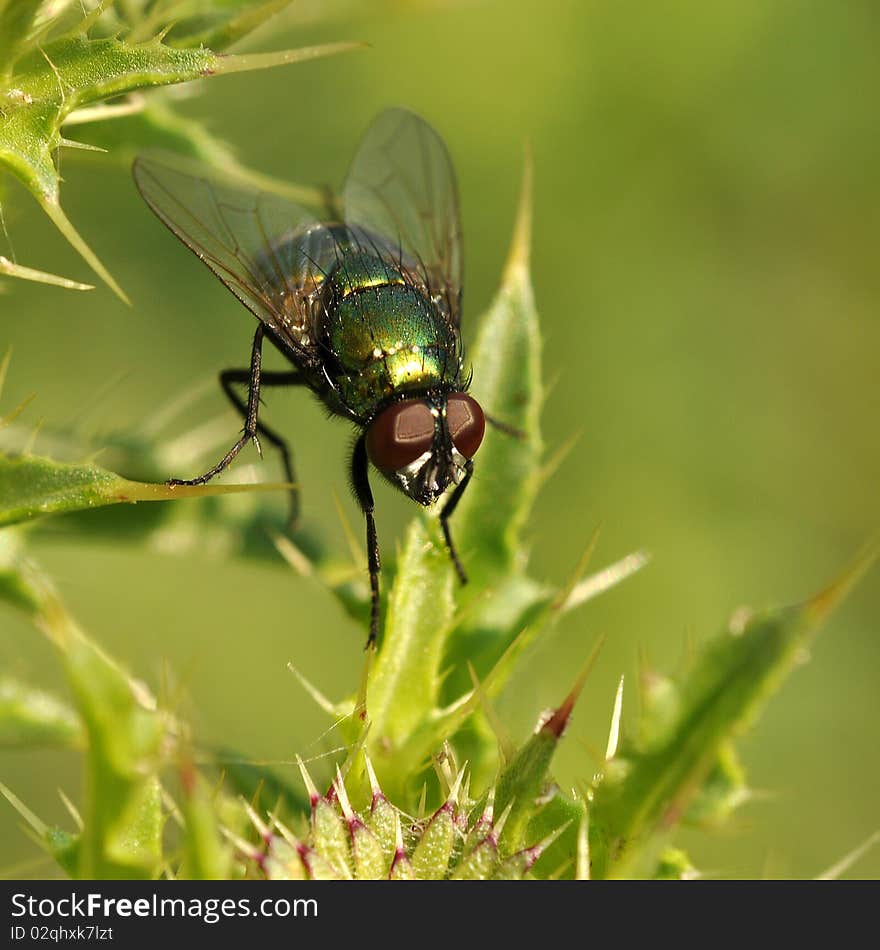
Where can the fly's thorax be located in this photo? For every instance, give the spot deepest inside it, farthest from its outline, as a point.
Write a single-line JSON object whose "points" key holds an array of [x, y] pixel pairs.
{"points": [[387, 338], [423, 445]]}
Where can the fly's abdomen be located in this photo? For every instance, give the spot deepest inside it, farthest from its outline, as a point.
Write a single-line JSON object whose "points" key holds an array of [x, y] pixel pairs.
{"points": [[388, 338]]}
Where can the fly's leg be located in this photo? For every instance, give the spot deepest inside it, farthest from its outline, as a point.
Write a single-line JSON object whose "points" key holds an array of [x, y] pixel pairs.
{"points": [[251, 413], [505, 428], [360, 480], [446, 514], [230, 377]]}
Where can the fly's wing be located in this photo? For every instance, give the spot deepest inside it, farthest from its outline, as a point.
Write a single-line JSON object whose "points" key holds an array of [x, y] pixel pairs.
{"points": [[272, 254], [401, 186]]}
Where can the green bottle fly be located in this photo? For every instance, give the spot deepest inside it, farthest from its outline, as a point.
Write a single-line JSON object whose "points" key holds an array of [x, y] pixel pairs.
{"points": [[365, 303]]}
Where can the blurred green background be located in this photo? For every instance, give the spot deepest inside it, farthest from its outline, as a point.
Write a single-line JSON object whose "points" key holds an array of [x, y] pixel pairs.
{"points": [[707, 224]]}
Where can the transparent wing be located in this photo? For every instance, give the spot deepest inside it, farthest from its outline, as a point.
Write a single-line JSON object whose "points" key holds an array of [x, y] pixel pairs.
{"points": [[272, 254], [401, 185]]}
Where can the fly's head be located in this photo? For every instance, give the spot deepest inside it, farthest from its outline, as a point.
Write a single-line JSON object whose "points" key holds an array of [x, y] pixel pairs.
{"points": [[422, 445]]}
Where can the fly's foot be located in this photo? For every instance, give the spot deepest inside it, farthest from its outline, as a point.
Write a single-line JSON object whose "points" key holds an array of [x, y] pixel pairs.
{"points": [[459, 570], [174, 482]]}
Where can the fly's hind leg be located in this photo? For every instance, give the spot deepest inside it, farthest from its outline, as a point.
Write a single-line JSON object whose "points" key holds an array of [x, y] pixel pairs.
{"points": [[255, 378]]}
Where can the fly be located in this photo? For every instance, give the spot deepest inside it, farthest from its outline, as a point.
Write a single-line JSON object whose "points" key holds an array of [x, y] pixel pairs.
{"points": [[365, 305]]}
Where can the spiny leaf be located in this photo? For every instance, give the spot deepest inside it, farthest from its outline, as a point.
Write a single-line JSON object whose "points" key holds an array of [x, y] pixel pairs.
{"points": [[74, 71], [405, 681], [228, 526], [121, 811], [205, 856], [522, 780], [561, 810], [507, 383], [490, 519], [32, 486], [647, 790]]}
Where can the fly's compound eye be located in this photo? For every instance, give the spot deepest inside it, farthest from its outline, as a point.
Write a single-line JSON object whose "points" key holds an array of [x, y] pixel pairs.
{"points": [[400, 434], [466, 423]]}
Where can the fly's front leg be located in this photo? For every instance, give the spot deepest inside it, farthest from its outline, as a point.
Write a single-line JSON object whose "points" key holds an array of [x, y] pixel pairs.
{"points": [[251, 417], [446, 514], [228, 378], [360, 480]]}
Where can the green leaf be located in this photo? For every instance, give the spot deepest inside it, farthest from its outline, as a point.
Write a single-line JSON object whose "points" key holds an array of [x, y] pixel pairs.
{"points": [[566, 812], [205, 856], [32, 717], [648, 788], [32, 486], [243, 523], [488, 523], [404, 684], [73, 71], [521, 785], [122, 814]]}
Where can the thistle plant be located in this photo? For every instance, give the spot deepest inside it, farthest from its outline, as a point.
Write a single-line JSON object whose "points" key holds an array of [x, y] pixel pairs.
{"points": [[430, 785], [60, 61], [429, 782]]}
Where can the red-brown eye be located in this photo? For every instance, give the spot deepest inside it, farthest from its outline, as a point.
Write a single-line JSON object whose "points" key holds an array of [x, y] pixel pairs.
{"points": [[466, 423], [400, 434]]}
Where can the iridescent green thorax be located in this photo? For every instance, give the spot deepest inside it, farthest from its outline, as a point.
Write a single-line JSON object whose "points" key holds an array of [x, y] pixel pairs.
{"points": [[387, 337]]}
